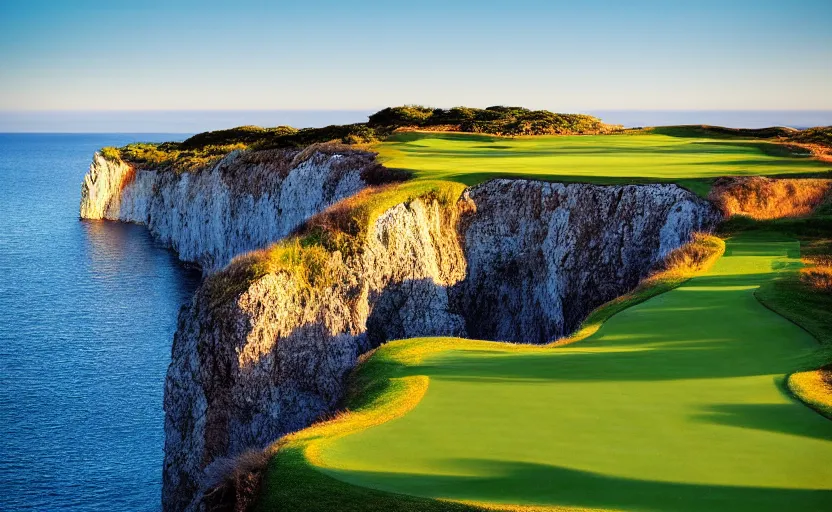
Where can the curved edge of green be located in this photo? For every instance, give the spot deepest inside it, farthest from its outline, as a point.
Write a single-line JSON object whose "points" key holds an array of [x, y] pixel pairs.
{"points": [[789, 298], [377, 394]]}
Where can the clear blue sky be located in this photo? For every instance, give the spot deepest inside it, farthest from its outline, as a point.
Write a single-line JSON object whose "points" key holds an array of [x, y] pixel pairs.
{"points": [[321, 54]]}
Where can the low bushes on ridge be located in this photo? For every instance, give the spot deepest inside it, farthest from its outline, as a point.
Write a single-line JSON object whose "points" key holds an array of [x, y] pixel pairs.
{"points": [[496, 120], [204, 149]]}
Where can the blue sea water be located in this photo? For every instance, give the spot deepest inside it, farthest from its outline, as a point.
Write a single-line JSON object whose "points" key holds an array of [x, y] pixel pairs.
{"points": [[193, 121], [87, 314]]}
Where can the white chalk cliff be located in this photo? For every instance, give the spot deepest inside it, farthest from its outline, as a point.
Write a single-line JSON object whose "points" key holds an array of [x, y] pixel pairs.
{"points": [[510, 260], [242, 203]]}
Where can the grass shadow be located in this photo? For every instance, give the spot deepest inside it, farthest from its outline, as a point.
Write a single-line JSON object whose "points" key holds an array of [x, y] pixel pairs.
{"points": [[539, 484], [780, 418]]}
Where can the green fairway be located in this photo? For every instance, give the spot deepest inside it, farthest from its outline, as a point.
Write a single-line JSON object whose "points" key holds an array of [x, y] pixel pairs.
{"points": [[676, 404], [470, 159]]}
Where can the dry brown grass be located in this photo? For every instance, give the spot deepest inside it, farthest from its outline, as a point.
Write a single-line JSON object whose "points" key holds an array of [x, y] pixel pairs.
{"points": [[818, 277], [815, 388], [697, 255], [766, 198], [817, 258], [820, 152], [234, 483]]}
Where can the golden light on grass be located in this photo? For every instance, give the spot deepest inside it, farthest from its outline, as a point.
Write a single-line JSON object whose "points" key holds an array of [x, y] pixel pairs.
{"points": [[676, 268], [815, 388], [376, 395], [766, 198]]}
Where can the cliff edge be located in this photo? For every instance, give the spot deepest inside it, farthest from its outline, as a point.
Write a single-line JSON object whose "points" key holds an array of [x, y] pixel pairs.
{"points": [[509, 260], [245, 201]]}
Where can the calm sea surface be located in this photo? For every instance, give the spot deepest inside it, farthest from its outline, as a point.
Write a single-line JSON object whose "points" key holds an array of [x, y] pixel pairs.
{"points": [[87, 314]]}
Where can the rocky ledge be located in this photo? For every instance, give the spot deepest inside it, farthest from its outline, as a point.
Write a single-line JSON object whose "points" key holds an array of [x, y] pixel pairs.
{"points": [[511, 260], [244, 202]]}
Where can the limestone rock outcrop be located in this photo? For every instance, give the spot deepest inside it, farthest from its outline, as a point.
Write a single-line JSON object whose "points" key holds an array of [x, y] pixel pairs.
{"points": [[512, 260], [244, 202]]}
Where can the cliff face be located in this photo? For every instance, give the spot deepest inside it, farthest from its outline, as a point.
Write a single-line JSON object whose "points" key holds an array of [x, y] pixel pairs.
{"points": [[274, 359], [244, 202], [542, 256], [512, 260]]}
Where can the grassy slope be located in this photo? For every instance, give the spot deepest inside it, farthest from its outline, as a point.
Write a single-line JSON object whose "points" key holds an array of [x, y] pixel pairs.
{"points": [[695, 373], [640, 157], [810, 309], [293, 484], [378, 394], [796, 299], [443, 162]]}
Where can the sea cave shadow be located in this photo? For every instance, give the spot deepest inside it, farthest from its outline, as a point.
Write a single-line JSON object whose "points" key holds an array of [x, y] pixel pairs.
{"points": [[540, 484], [780, 418]]}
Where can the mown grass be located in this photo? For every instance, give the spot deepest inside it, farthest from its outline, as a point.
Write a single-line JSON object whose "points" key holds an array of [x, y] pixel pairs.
{"points": [[679, 266], [804, 296], [641, 157], [685, 376], [802, 303], [381, 389]]}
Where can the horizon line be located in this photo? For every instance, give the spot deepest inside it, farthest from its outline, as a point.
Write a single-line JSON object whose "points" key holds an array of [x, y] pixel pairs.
{"points": [[116, 111]]}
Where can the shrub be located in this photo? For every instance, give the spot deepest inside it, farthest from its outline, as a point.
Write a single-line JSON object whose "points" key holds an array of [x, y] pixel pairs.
{"points": [[408, 115], [240, 135], [234, 483], [819, 277], [765, 198], [821, 135], [111, 153], [697, 255], [496, 120], [205, 149]]}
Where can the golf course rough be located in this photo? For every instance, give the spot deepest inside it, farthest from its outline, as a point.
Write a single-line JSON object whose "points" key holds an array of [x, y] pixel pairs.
{"points": [[677, 403]]}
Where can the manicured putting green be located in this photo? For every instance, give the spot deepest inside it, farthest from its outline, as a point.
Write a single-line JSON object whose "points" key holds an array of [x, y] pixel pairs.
{"points": [[605, 158], [676, 404]]}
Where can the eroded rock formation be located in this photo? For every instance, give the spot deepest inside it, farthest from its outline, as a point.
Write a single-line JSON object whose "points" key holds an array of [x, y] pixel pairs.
{"points": [[541, 256], [512, 260], [244, 202]]}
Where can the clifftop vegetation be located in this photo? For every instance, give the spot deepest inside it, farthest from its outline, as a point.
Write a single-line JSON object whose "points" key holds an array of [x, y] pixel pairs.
{"points": [[205, 148], [492, 120]]}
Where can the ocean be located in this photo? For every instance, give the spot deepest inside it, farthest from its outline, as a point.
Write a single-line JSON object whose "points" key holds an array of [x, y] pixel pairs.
{"points": [[87, 315]]}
